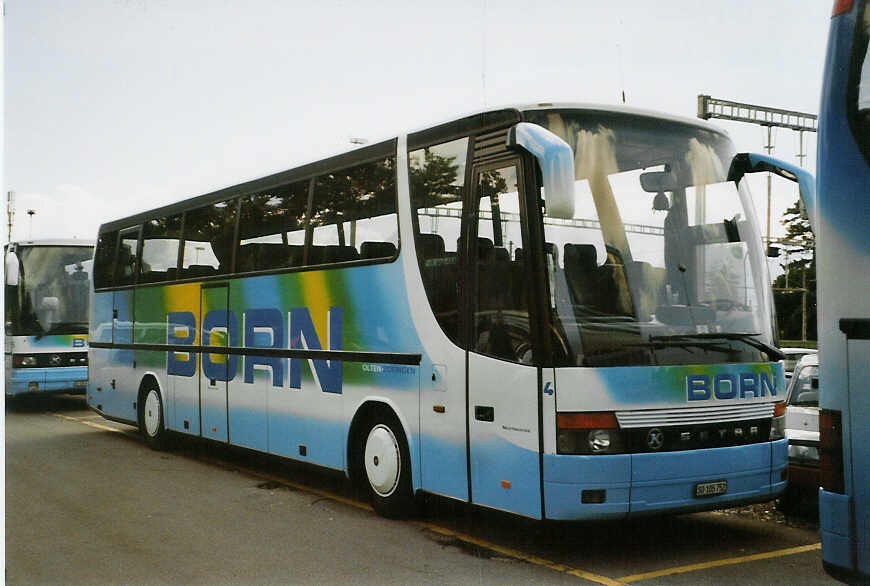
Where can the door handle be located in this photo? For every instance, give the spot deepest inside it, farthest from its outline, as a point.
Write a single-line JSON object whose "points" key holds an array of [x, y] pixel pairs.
{"points": [[483, 413]]}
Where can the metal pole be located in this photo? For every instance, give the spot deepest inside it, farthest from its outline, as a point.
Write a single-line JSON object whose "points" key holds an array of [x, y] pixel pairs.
{"points": [[804, 293], [769, 148], [804, 308], [10, 211]]}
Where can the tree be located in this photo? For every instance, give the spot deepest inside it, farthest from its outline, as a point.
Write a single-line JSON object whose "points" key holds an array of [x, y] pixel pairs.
{"points": [[433, 180], [800, 272]]}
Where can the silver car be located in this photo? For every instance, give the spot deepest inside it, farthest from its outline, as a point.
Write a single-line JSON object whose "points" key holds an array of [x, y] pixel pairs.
{"points": [[792, 357], [802, 431]]}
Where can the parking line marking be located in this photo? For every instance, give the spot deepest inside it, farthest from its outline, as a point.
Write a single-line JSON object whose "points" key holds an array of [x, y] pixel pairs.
{"points": [[531, 559], [88, 423], [506, 551], [718, 563], [561, 568], [512, 553]]}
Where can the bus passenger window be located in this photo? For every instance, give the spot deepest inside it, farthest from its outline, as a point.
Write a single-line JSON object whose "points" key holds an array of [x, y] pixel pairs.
{"points": [[437, 177], [104, 259], [351, 206], [272, 228], [862, 60], [160, 241], [125, 262], [208, 240]]}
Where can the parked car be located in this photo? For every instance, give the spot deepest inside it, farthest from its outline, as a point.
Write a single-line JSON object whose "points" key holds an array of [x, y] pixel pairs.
{"points": [[802, 431], [792, 356]]}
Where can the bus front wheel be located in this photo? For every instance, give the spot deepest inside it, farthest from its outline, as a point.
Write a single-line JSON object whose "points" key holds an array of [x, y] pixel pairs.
{"points": [[386, 466], [151, 417]]}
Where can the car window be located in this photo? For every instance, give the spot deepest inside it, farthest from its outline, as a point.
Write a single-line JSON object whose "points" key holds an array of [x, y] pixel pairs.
{"points": [[805, 389]]}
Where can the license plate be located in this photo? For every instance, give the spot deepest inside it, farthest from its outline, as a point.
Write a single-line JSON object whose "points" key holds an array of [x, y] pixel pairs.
{"points": [[711, 488]]}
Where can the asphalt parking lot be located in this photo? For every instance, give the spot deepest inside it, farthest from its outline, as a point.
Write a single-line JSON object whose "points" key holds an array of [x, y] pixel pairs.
{"points": [[88, 502]]}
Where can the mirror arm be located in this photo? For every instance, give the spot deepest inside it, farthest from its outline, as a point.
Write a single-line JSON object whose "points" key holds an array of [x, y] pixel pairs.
{"points": [[12, 269], [556, 160], [745, 163]]}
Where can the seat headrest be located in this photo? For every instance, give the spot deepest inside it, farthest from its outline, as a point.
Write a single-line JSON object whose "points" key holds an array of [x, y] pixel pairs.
{"points": [[431, 245], [583, 255], [377, 250]]}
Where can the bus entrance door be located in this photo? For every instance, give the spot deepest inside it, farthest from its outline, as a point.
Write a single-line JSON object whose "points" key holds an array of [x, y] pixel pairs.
{"points": [[503, 401], [505, 467], [214, 374]]}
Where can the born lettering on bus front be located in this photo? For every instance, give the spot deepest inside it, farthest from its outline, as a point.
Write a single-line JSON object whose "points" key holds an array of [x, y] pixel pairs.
{"points": [[261, 328], [743, 385]]}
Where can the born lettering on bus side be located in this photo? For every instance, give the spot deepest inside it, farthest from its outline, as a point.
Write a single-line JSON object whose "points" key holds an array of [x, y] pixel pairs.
{"points": [[260, 328], [701, 387]]}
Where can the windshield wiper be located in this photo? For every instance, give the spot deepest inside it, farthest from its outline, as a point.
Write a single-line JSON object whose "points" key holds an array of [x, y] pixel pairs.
{"points": [[771, 351]]}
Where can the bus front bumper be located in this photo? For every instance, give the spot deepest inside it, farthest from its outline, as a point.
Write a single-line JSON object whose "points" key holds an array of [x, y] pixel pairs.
{"points": [[602, 487], [68, 379]]}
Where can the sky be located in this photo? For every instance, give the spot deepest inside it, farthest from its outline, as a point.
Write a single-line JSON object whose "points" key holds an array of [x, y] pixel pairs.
{"points": [[117, 106]]}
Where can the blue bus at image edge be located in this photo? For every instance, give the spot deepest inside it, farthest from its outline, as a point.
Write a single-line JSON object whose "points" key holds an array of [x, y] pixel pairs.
{"points": [[47, 288], [842, 229]]}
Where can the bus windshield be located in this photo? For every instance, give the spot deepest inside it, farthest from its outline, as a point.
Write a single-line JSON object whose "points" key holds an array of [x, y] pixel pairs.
{"points": [[52, 292], [661, 263]]}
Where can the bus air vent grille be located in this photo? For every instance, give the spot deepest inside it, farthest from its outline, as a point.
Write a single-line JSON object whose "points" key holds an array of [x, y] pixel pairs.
{"points": [[693, 415], [490, 146]]}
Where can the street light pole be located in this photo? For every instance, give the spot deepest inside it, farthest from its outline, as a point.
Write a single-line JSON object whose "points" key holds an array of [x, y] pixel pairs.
{"points": [[31, 213], [10, 211]]}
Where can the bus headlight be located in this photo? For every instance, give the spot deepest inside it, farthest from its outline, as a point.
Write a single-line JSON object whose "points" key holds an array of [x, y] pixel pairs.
{"points": [[588, 433], [777, 424], [23, 360], [599, 440]]}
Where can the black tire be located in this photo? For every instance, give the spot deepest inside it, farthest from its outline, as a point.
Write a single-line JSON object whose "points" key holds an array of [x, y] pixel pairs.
{"points": [[789, 502], [385, 465], [151, 417]]}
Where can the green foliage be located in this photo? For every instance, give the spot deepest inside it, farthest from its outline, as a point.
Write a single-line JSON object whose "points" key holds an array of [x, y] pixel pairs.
{"points": [[789, 312], [435, 181]]}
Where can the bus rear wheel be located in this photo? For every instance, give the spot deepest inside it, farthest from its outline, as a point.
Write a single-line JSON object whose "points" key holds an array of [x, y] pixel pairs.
{"points": [[386, 467], [151, 417]]}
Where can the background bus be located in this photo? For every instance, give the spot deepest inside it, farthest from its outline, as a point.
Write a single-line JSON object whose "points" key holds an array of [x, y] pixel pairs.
{"points": [[47, 290], [843, 253], [562, 312]]}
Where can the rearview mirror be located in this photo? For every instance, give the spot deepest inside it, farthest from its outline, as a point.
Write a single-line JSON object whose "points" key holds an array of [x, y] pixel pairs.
{"points": [[557, 165], [12, 269], [658, 181], [744, 163]]}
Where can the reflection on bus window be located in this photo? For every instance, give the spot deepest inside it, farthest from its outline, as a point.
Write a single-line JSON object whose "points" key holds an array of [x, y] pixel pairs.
{"points": [[437, 182], [661, 245], [52, 292], [208, 240]]}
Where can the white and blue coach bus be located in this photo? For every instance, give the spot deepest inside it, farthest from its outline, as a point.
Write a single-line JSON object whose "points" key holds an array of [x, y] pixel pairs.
{"points": [[46, 316], [559, 311], [841, 226]]}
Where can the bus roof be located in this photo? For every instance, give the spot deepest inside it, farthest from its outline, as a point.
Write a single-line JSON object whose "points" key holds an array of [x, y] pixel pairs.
{"points": [[483, 119], [53, 242], [630, 110]]}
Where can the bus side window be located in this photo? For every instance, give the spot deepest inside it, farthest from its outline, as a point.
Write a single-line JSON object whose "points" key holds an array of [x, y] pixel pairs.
{"points": [[350, 206], [862, 77], [160, 241], [104, 259], [437, 178], [272, 228], [126, 260], [208, 240]]}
